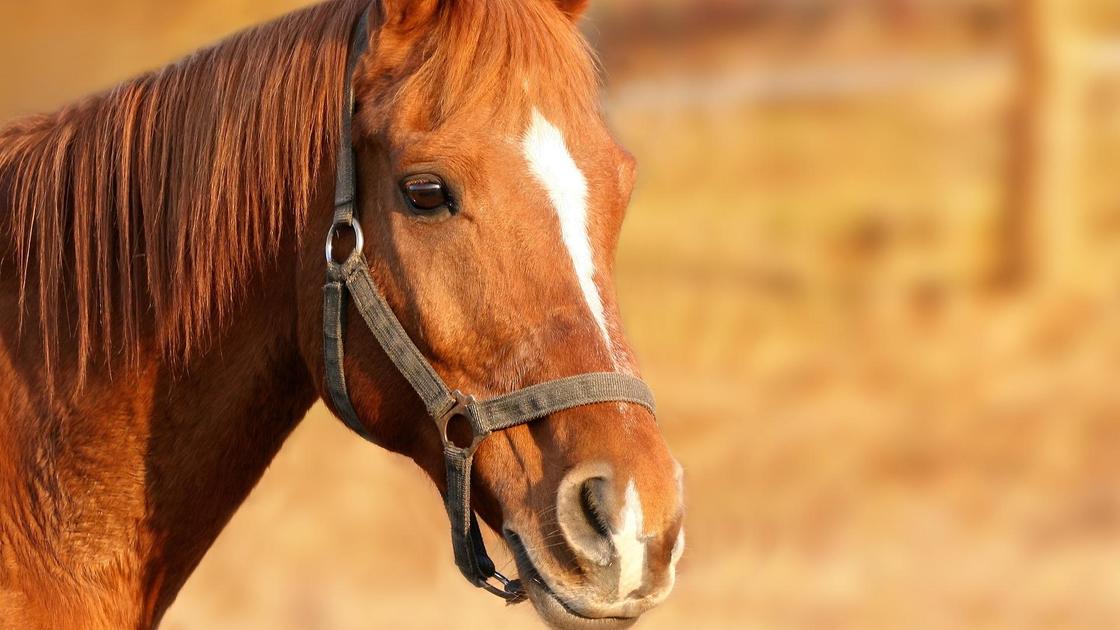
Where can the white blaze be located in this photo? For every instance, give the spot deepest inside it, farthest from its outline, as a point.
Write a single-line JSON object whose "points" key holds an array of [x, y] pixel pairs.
{"points": [[552, 164], [630, 544]]}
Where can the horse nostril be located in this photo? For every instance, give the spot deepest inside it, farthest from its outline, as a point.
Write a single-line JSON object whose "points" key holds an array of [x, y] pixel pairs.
{"points": [[584, 509], [594, 497]]}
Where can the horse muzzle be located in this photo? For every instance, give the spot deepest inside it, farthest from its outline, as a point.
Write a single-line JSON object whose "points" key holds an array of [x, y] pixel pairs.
{"points": [[606, 566]]}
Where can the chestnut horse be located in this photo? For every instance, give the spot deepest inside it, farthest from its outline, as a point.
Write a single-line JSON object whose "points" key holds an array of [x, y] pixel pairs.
{"points": [[161, 305]]}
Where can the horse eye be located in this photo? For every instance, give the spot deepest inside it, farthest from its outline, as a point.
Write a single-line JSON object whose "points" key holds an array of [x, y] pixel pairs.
{"points": [[426, 194]]}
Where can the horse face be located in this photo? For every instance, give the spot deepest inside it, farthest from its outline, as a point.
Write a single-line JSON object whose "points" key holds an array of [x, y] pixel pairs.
{"points": [[493, 199]]}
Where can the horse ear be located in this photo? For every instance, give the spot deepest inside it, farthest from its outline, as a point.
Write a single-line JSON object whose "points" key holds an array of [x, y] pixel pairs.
{"points": [[405, 14], [573, 8]]}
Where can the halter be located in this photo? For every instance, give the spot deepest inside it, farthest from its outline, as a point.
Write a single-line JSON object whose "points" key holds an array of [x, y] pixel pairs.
{"points": [[351, 280]]}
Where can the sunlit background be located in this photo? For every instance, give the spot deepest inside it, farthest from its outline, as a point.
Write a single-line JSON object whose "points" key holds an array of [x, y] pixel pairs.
{"points": [[871, 271]]}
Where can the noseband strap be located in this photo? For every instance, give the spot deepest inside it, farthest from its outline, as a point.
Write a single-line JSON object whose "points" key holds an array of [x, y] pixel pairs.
{"points": [[351, 281]]}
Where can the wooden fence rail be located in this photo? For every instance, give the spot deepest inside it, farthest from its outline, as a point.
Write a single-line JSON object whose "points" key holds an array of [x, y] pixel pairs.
{"points": [[823, 81]]}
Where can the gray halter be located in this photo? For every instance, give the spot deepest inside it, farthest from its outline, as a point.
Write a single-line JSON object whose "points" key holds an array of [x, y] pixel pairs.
{"points": [[352, 279]]}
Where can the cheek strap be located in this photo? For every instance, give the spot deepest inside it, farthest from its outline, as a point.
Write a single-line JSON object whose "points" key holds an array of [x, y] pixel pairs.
{"points": [[352, 280]]}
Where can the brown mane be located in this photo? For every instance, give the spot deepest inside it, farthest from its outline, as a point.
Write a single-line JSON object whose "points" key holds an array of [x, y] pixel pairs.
{"points": [[156, 200]]}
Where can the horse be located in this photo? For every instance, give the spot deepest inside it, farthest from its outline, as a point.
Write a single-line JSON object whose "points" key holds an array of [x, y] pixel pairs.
{"points": [[162, 306]]}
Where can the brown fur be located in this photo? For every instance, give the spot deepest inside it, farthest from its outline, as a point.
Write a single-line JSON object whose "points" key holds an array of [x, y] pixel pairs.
{"points": [[160, 274]]}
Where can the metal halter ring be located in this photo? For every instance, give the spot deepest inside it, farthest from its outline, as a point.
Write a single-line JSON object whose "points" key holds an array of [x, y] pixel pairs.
{"points": [[462, 407], [359, 239], [511, 590]]}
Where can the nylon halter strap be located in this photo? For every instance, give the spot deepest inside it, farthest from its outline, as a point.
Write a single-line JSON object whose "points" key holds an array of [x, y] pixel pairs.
{"points": [[351, 281]]}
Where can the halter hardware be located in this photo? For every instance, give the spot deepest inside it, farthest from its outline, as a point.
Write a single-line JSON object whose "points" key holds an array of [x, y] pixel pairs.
{"points": [[461, 409], [332, 235], [511, 590], [349, 283]]}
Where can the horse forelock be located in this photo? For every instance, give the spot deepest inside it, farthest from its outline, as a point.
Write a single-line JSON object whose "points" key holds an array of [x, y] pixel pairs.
{"points": [[488, 59]]}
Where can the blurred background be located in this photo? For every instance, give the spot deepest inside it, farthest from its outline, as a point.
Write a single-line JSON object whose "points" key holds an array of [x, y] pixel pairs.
{"points": [[871, 270]]}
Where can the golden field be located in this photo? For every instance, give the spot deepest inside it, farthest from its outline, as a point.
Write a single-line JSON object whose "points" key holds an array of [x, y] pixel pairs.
{"points": [[878, 430]]}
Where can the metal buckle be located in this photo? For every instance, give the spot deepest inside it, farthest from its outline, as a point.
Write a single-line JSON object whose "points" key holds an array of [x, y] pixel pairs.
{"points": [[511, 590], [359, 238], [462, 407]]}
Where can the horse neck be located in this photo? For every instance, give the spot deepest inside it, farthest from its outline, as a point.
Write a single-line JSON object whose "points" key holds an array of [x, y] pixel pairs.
{"points": [[138, 473]]}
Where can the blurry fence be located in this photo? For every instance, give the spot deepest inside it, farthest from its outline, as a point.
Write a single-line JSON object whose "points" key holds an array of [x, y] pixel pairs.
{"points": [[825, 81], [1042, 69]]}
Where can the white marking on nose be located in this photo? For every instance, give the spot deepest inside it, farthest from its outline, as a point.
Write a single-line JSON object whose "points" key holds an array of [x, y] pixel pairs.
{"points": [[678, 551], [629, 544], [552, 164], [678, 547]]}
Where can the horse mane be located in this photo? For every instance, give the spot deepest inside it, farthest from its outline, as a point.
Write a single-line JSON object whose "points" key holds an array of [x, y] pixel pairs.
{"points": [[149, 205]]}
